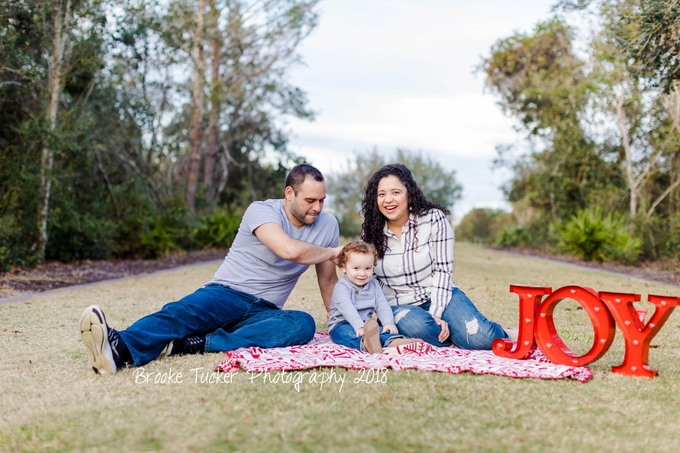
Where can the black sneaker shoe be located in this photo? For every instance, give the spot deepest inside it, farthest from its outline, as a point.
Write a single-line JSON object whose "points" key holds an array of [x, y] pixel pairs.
{"points": [[121, 353], [187, 345], [101, 341]]}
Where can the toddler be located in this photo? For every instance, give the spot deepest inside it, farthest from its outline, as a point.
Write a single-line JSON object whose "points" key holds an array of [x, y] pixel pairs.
{"points": [[355, 298]]}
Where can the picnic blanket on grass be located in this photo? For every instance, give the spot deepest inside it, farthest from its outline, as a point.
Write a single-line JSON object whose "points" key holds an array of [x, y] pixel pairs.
{"points": [[322, 352]]}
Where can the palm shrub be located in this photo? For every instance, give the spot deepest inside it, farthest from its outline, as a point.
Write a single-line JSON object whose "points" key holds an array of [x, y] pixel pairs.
{"points": [[169, 231], [593, 235], [217, 229], [514, 236]]}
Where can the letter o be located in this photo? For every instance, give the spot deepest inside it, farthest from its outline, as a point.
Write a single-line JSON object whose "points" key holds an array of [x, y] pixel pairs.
{"points": [[549, 341]]}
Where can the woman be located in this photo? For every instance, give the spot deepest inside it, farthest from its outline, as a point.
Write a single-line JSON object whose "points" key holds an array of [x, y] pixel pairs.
{"points": [[415, 250]]}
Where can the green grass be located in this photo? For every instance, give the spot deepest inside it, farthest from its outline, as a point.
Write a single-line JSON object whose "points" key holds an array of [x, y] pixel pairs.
{"points": [[51, 400]]}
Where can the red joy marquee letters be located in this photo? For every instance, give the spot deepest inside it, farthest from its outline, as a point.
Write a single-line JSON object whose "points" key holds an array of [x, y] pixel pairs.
{"points": [[605, 309]]}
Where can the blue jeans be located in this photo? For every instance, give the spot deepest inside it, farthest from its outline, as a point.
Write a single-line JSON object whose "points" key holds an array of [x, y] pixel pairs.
{"points": [[469, 328], [230, 319], [345, 335]]}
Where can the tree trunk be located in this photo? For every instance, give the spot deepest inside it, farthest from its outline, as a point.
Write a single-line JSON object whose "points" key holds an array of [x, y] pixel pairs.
{"points": [[672, 105], [61, 19], [625, 141], [215, 98], [251, 187], [197, 117]]}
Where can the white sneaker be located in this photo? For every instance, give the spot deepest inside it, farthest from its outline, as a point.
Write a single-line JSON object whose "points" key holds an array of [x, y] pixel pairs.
{"points": [[95, 334], [512, 333]]}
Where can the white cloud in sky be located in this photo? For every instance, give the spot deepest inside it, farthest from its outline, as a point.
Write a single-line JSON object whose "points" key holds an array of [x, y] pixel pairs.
{"points": [[399, 73], [465, 124]]}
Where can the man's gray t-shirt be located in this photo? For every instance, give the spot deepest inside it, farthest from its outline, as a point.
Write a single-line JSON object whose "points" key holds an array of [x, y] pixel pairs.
{"points": [[251, 267]]}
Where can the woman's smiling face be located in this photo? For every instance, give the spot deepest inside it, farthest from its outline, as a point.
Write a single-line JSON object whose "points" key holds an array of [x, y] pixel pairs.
{"points": [[393, 200]]}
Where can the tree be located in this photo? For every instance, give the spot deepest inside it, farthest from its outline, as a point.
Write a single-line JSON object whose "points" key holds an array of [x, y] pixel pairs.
{"points": [[251, 45], [346, 187], [251, 55], [216, 84], [62, 18], [643, 113], [542, 83], [198, 59], [602, 134], [654, 45], [99, 130], [482, 225]]}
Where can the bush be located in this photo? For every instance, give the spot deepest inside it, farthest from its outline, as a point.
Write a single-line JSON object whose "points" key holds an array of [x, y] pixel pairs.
{"points": [[482, 225], [168, 232], [592, 235], [661, 237], [74, 236], [218, 229], [17, 243], [514, 236]]}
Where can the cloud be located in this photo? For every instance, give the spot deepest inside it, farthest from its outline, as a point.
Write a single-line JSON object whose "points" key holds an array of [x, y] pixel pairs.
{"points": [[399, 73], [466, 124]]}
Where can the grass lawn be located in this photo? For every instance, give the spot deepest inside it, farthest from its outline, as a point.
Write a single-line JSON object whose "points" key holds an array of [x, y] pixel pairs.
{"points": [[51, 400]]}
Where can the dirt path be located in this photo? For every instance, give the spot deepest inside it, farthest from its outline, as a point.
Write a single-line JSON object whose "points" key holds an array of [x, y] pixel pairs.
{"points": [[18, 285], [650, 271], [53, 276]]}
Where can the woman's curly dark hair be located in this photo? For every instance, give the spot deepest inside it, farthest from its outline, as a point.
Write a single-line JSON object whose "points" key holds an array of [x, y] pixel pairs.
{"points": [[374, 221]]}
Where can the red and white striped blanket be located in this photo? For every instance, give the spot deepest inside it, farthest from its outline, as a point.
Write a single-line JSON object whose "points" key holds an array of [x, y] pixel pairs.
{"points": [[321, 352]]}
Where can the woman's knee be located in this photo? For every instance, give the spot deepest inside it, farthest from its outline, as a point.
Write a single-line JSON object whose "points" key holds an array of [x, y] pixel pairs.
{"points": [[414, 322], [475, 333], [408, 318]]}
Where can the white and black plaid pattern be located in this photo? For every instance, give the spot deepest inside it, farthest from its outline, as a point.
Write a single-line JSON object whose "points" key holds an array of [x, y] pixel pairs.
{"points": [[420, 266]]}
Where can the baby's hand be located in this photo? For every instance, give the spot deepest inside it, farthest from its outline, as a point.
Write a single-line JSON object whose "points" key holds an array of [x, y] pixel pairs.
{"points": [[360, 332], [390, 328]]}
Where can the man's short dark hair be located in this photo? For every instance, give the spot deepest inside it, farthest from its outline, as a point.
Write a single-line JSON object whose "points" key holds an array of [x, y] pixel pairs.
{"points": [[299, 173]]}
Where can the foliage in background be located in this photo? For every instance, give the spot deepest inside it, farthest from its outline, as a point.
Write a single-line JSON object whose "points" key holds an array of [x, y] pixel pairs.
{"points": [[515, 236], [593, 235], [483, 225], [132, 111], [218, 230], [602, 125], [649, 33], [347, 186]]}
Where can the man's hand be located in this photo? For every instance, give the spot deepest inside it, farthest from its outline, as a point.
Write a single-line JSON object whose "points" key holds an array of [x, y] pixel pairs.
{"points": [[444, 334], [390, 328], [360, 332], [336, 253]]}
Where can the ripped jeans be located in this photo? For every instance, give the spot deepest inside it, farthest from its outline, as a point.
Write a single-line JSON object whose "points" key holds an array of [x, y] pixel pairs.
{"points": [[469, 328]]}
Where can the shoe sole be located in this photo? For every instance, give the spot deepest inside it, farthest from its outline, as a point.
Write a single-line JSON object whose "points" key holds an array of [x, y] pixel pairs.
{"points": [[372, 336], [94, 332], [403, 342]]}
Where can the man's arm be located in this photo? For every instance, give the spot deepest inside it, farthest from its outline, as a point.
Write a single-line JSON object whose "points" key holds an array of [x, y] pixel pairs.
{"points": [[327, 278], [273, 236]]}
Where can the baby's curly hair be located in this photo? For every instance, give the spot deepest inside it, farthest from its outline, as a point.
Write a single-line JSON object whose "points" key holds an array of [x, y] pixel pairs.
{"points": [[357, 247]]}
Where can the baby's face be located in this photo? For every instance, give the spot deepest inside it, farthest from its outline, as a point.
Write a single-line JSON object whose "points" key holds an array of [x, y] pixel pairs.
{"points": [[359, 268]]}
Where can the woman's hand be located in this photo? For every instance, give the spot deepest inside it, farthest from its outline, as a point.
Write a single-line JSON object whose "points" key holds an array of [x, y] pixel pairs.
{"points": [[359, 331], [390, 328], [444, 334]]}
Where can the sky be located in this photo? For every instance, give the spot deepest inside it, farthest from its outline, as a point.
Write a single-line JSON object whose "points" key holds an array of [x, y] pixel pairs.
{"points": [[401, 73]]}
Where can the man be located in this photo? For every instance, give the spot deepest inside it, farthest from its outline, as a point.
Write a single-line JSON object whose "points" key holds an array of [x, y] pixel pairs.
{"points": [[242, 305]]}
